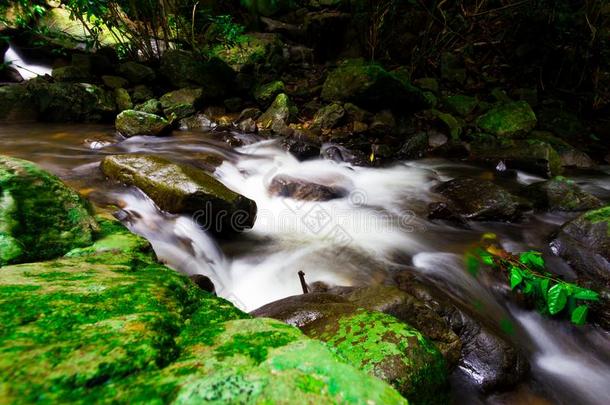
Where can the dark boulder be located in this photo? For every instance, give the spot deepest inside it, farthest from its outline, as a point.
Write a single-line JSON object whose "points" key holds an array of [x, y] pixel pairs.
{"points": [[560, 194], [286, 186]]}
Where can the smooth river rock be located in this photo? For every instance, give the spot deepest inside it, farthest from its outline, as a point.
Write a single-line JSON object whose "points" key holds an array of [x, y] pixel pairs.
{"points": [[131, 123], [181, 188]]}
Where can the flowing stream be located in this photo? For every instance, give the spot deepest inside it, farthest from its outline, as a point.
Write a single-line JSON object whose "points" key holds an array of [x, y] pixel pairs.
{"points": [[379, 228]]}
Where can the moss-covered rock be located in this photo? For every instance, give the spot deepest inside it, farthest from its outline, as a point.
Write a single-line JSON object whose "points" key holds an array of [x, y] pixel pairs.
{"points": [[40, 217], [461, 105], [266, 93], [152, 106], [328, 116], [281, 112], [141, 93], [71, 74], [136, 73], [387, 348], [508, 119], [114, 82], [370, 86], [109, 324], [71, 102], [561, 194], [132, 122], [251, 51], [16, 104], [179, 188], [122, 99], [181, 103]]}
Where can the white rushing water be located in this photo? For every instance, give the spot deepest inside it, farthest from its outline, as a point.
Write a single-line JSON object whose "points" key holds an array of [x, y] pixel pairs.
{"points": [[353, 241], [28, 71]]}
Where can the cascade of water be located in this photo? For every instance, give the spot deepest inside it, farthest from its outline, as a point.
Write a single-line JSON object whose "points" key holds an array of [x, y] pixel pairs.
{"points": [[26, 70]]}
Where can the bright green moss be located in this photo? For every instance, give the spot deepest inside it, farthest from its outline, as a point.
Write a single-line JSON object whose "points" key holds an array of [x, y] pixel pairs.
{"points": [[508, 119]]}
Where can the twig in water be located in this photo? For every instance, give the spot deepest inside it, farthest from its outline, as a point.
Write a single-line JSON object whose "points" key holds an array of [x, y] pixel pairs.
{"points": [[303, 283]]}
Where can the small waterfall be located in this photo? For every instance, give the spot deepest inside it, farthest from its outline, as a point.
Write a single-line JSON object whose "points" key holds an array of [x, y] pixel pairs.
{"points": [[26, 70]]}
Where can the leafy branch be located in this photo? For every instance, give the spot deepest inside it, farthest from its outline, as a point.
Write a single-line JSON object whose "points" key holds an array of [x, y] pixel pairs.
{"points": [[526, 273]]}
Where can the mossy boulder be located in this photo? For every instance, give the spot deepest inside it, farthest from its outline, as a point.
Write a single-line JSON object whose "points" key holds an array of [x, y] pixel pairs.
{"points": [[114, 82], [109, 324], [461, 105], [387, 348], [122, 99], [251, 51], [508, 119], [328, 116], [370, 86], [531, 155], [569, 156], [131, 122], [136, 73], [584, 243], [71, 74], [40, 217], [180, 188], [152, 106], [266, 93], [16, 104], [71, 102], [561, 194], [181, 103], [277, 117]]}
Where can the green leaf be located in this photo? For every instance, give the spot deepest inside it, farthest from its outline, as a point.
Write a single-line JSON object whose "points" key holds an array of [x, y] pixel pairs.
{"points": [[472, 265], [585, 294], [544, 287], [557, 299], [528, 287], [579, 315], [515, 277], [532, 258]]}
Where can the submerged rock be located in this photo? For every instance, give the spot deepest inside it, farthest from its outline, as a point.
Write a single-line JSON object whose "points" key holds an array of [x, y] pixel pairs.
{"points": [[107, 323], [286, 186], [561, 194], [181, 188], [40, 217], [481, 200], [131, 123], [370, 86], [584, 243], [508, 119]]}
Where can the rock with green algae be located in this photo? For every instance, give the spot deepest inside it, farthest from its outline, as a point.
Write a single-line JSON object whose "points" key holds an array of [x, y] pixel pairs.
{"points": [[461, 104], [560, 194], [370, 86], [152, 106], [266, 93], [108, 324], [181, 188], [72, 74], [181, 103], [281, 112], [136, 73], [122, 99], [40, 217], [328, 116], [508, 119], [114, 82], [131, 123], [252, 50], [387, 348]]}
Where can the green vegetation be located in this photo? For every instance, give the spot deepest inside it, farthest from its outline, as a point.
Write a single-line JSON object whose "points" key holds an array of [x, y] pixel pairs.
{"points": [[526, 273]]}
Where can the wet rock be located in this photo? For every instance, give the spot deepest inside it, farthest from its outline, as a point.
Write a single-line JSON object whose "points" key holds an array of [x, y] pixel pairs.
{"points": [[560, 194], [568, 155], [203, 282], [16, 104], [383, 124], [129, 315], [374, 342], [9, 74], [248, 126], [136, 73], [233, 104], [277, 117], [301, 145], [71, 73], [131, 123], [488, 361], [481, 200], [530, 155], [266, 93], [71, 102], [179, 188], [152, 106], [286, 186], [251, 112], [508, 119], [142, 93], [339, 153], [370, 86], [40, 217], [415, 147], [446, 212], [584, 243], [114, 82], [452, 126], [355, 113], [181, 103], [122, 99], [328, 117], [198, 122]]}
